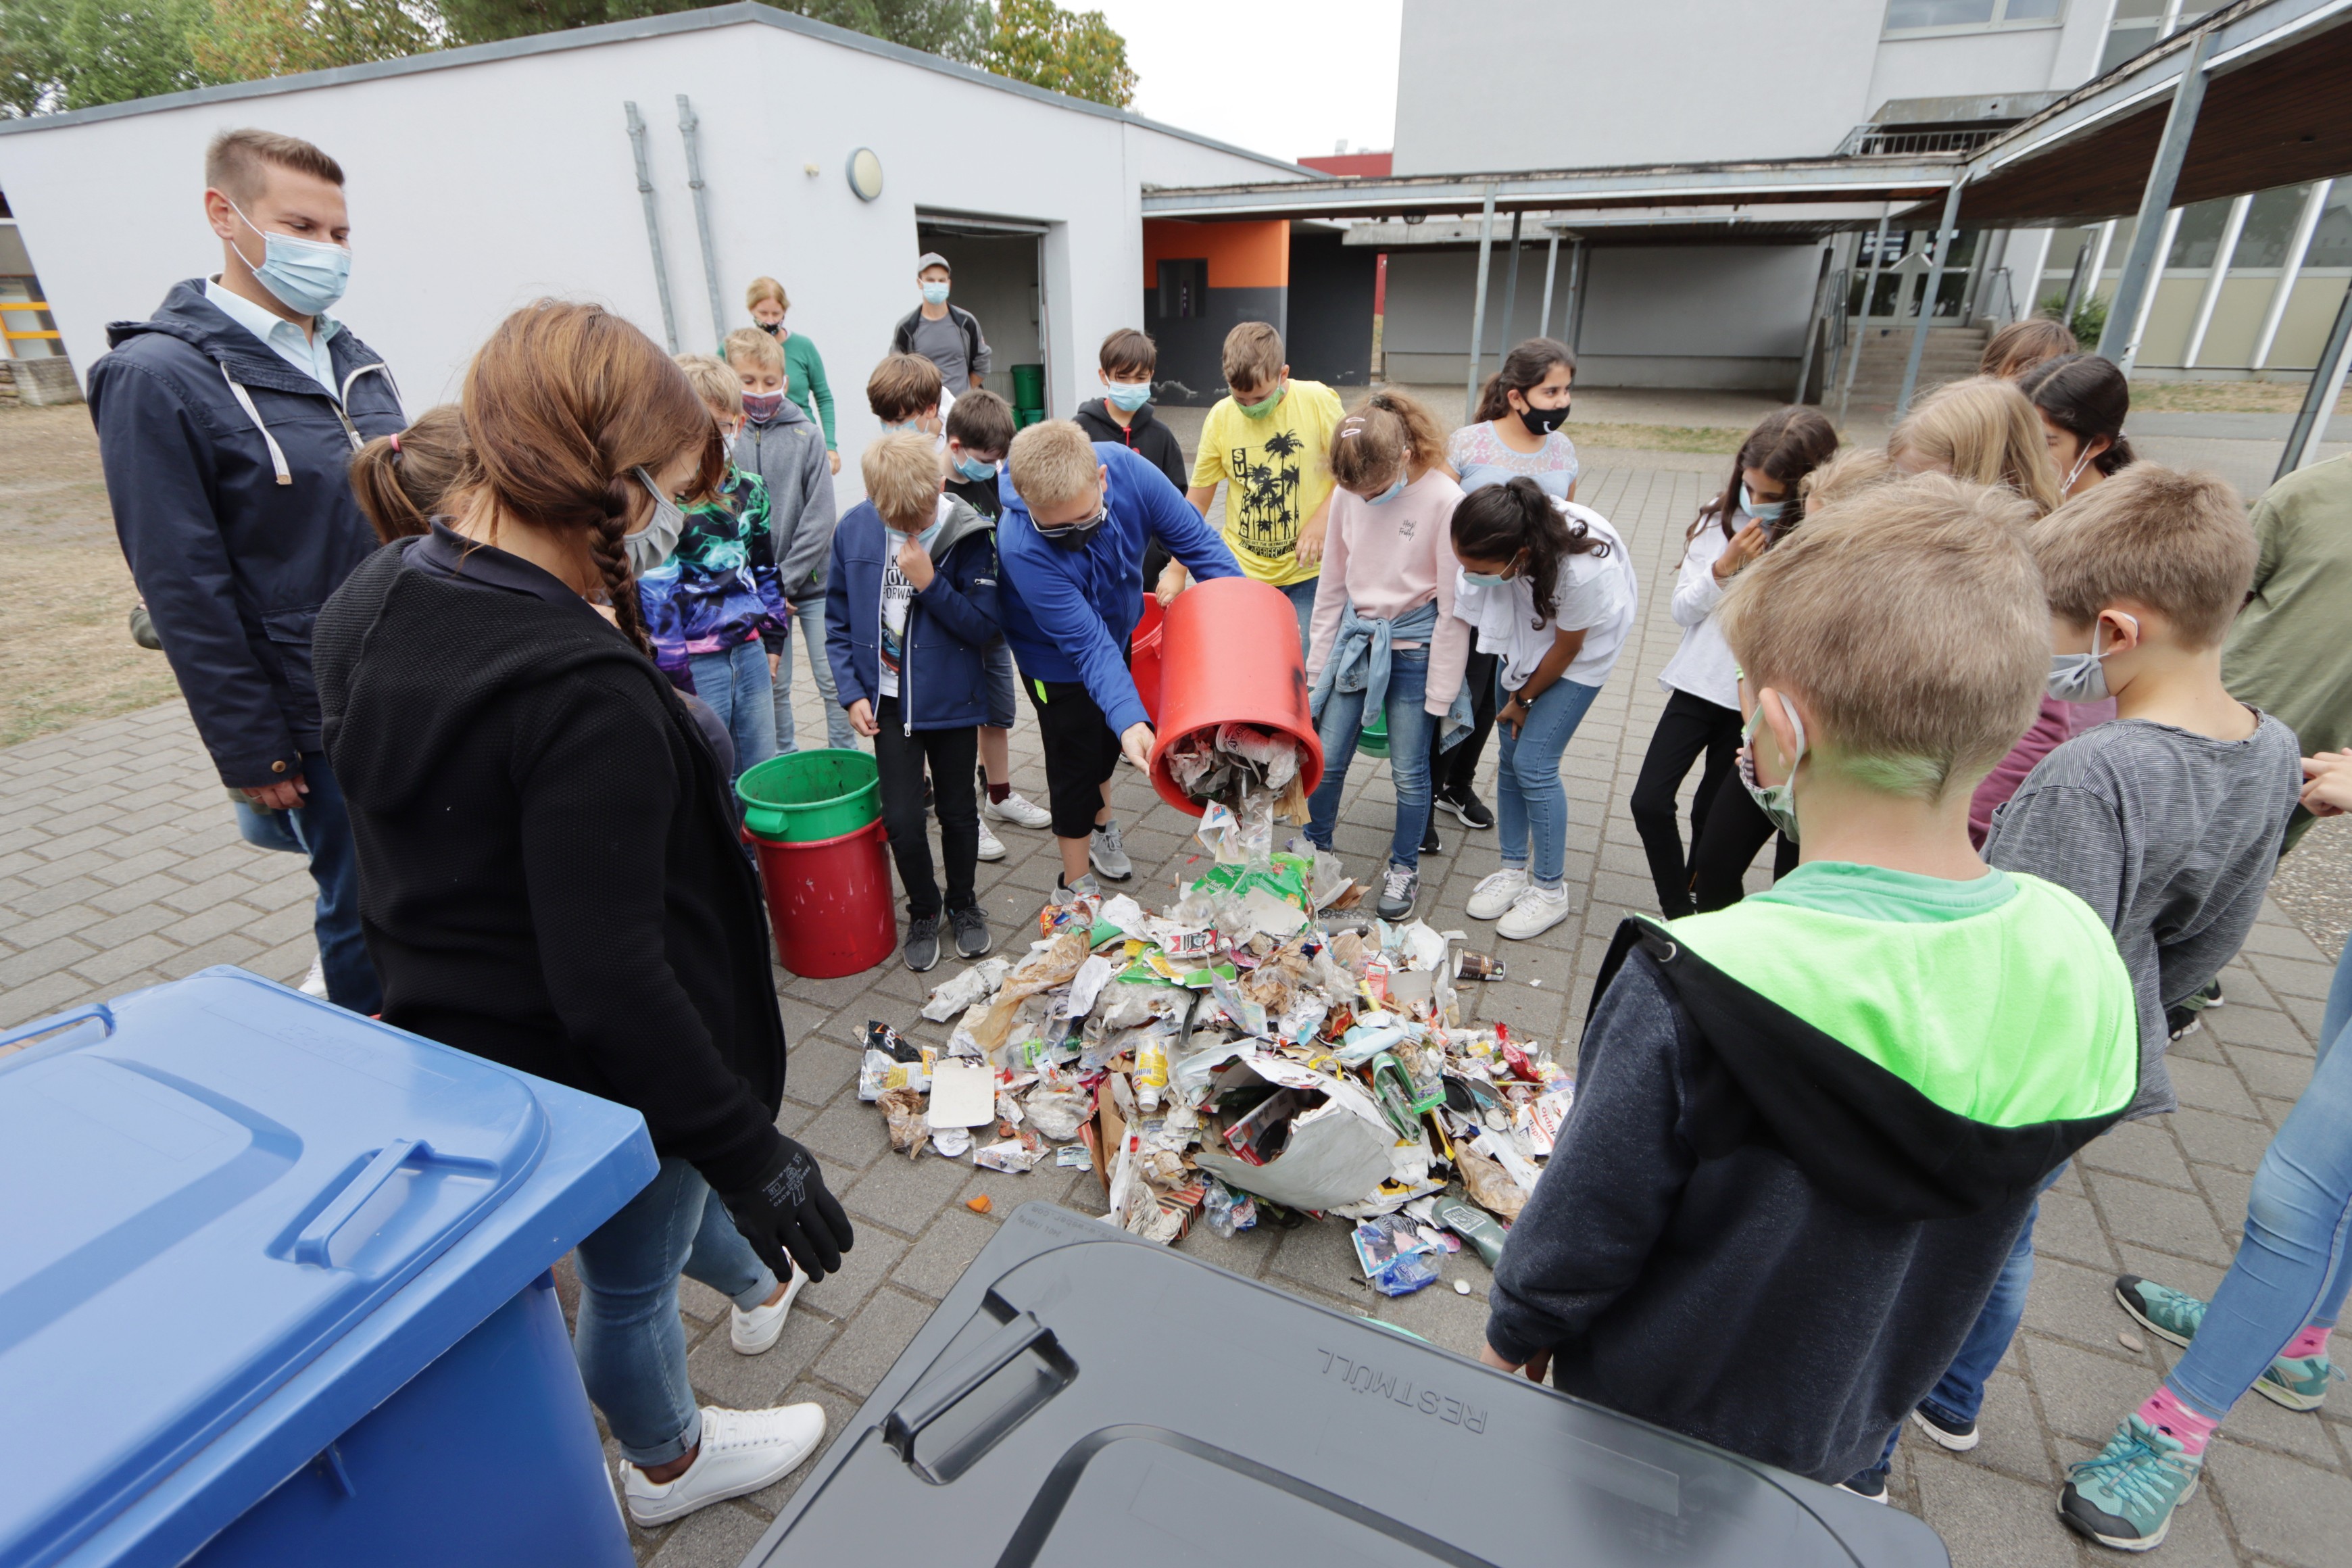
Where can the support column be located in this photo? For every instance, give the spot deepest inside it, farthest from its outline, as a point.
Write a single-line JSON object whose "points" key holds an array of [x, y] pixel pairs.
{"points": [[1579, 291], [1946, 236], [2147, 296], [2127, 311], [1510, 291], [1862, 322], [2224, 254], [2297, 248], [1478, 308], [1551, 269], [2319, 397]]}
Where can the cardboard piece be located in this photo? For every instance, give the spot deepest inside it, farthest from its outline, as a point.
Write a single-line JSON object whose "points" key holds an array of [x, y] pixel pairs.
{"points": [[963, 1094], [1338, 1152]]}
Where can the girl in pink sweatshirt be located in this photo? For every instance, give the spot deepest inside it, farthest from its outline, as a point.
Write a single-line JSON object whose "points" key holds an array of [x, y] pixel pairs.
{"points": [[1384, 638]]}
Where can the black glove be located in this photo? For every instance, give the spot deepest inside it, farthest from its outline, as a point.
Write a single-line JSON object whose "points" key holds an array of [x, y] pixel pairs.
{"points": [[788, 1210]]}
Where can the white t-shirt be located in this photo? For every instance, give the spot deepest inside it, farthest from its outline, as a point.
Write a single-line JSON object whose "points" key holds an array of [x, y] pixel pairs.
{"points": [[1703, 665], [896, 594], [1596, 594]]}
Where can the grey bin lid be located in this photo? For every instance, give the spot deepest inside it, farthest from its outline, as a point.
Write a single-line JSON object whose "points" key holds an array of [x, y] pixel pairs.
{"points": [[1083, 1397]]}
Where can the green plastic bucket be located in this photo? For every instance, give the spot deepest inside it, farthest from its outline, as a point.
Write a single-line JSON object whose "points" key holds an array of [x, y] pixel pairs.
{"points": [[1373, 739], [1028, 386], [802, 797]]}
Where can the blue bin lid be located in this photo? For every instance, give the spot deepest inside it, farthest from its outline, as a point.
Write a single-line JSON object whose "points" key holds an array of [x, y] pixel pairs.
{"points": [[212, 1183]]}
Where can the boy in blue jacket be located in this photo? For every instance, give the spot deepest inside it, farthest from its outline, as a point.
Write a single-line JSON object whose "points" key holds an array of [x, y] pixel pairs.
{"points": [[909, 609], [1072, 535]]}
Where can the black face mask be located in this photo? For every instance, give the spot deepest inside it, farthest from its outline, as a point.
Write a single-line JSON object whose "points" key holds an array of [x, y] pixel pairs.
{"points": [[1074, 536], [1543, 421], [771, 328]]}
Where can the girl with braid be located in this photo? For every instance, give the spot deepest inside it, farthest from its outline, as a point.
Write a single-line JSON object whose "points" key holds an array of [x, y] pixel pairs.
{"points": [[550, 874]]}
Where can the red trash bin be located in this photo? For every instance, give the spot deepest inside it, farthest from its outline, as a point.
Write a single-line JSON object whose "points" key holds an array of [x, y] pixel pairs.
{"points": [[1229, 655], [1143, 657], [830, 902]]}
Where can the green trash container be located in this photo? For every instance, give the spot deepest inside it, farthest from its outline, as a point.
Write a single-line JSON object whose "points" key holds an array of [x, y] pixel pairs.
{"points": [[802, 797], [1373, 739], [1029, 386]]}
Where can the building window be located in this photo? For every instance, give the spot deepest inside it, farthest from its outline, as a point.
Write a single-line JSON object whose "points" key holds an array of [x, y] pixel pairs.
{"points": [[2140, 22], [1929, 16], [1184, 289]]}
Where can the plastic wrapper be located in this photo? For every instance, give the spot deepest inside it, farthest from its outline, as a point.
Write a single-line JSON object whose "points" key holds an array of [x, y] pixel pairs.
{"points": [[955, 995], [1057, 1113], [1395, 1259], [1056, 966], [1227, 1211], [1489, 1187], [907, 1118], [954, 1142], [1011, 1155]]}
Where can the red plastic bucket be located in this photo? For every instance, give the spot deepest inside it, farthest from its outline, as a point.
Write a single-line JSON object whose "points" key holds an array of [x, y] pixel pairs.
{"points": [[1143, 658], [1229, 655], [830, 902]]}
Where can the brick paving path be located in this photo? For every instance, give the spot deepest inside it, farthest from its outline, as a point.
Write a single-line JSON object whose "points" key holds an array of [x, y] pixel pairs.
{"points": [[119, 867]]}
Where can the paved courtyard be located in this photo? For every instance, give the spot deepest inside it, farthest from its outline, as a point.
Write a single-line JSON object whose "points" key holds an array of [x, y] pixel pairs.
{"points": [[121, 867]]}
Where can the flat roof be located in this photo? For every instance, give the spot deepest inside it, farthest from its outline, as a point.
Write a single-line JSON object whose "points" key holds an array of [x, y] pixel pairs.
{"points": [[746, 11]]}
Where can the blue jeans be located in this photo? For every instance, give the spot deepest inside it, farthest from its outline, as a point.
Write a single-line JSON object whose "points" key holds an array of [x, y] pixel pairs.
{"points": [[631, 1349], [1302, 599], [2291, 1267], [322, 825], [808, 630], [1529, 800], [736, 685], [1408, 732], [267, 829]]}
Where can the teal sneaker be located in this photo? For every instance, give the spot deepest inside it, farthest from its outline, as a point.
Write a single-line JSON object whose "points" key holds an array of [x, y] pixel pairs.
{"points": [[2125, 1497], [2299, 1383]]}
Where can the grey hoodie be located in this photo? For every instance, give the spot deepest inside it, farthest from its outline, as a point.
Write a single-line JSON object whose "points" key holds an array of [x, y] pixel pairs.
{"points": [[788, 454]]}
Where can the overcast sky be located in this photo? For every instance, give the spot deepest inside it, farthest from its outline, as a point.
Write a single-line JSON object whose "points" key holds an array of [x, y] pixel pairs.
{"points": [[1287, 78]]}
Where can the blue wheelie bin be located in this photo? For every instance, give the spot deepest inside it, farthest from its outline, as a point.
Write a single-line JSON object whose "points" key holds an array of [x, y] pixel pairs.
{"points": [[275, 1288]]}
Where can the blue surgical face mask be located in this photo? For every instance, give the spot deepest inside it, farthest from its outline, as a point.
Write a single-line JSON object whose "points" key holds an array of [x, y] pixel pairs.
{"points": [[1761, 510], [1127, 396], [935, 293], [1777, 801], [1484, 579], [974, 470], [924, 539], [2082, 677], [1388, 494], [307, 275]]}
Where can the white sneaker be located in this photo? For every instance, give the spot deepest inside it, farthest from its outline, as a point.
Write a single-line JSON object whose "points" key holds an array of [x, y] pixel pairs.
{"points": [[314, 984], [1491, 899], [1534, 914], [1020, 811], [991, 846], [742, 1451], [752, 1332]]}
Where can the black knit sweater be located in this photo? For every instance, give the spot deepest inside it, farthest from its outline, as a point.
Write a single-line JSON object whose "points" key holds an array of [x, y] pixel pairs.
{"points": [[549, 871]]}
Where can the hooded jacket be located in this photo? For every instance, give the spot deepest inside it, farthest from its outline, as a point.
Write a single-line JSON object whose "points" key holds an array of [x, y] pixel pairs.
{"points": [[229, 474], [1069, 611], [942, 668], [549, 875], [788, 454], [1802, 1146], [1143, 435]]}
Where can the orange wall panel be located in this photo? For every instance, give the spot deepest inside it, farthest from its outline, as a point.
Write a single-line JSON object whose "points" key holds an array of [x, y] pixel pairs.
{"points": [[1245, 254]]}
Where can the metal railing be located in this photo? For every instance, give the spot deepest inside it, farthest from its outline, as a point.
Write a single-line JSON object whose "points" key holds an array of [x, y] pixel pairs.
{"points": [[12, 307], [1876, 141]]}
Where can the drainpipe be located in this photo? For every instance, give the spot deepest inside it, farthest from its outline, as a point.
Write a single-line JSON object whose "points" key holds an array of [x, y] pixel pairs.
{"points": [[1478, 308], [686, 125], [653, 229]]}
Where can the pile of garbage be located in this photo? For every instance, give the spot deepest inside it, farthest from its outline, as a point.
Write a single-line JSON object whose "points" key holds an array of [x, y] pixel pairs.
{"points": [[1256, 1051]]}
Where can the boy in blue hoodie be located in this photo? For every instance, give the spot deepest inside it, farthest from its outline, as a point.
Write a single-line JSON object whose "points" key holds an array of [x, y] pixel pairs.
{"points": [[1807, 1127], [910, 610]]}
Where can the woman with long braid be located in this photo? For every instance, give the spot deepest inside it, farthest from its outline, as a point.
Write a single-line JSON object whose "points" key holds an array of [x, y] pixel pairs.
{"points": [[549, 870]]}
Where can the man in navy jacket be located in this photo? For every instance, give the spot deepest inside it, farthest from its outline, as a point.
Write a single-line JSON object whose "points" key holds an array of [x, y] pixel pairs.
{"points": [[1071, 542], [226, 426]]}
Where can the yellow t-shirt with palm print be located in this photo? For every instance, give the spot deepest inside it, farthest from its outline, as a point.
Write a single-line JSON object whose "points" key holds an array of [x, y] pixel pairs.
{"points": [[1276, 471]]}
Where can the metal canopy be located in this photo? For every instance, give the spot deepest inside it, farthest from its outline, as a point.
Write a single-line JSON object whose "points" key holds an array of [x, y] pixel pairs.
{"points": [[2277, 111]]}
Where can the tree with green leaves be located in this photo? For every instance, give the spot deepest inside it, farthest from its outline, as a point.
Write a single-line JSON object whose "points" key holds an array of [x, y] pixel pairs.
{"points": [[72, 54], [1077, 52], [959, 29], [247, 40]]}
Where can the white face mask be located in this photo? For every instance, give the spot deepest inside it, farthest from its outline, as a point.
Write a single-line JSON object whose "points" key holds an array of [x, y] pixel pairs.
{"points": [[2066, 486], [2082, 677]]}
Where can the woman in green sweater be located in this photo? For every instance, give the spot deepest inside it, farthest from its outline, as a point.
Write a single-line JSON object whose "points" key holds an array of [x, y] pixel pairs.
{"points": [[805, 381]]}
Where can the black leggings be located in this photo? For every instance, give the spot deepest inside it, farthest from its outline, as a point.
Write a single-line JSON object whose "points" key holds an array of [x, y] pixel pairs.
{"points": [[953, 756], [1689, 726], [1451, 772]]}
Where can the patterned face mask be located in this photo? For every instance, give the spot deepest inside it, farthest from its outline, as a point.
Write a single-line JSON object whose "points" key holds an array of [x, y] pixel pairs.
{"points": [[1777, 801]]}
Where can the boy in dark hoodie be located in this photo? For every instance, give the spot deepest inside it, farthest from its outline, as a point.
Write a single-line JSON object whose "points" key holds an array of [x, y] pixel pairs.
{"points": [[1123, 413], [909, 609], [783, 445], [1807, 1127]]}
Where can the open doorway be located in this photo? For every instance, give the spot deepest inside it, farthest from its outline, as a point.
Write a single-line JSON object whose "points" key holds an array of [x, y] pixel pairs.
{"points": [[1000, 277]]}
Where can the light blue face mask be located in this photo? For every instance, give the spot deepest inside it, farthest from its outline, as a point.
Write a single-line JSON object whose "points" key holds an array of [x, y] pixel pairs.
{"points": [[935, 293], [1777, 801], [307, 275], [1388, 494], [1485, 579], [924, 539], [1127, 396], [974, 470], [1761, 510], [2082, 677]]}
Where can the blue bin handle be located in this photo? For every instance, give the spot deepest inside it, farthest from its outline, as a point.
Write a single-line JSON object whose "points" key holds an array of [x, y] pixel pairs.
{"points": [[315, 1244], [56, 1021]]}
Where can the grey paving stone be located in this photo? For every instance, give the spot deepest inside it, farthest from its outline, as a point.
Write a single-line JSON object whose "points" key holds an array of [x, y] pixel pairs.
{"points": [[838, 1410], [755, 1382], [817, 1069], [846, 1136], [2293, 976], [2208, 1087], [2159, 1217], [2072, 1303], [2085, 1392], [1989, 1518], [948, 1245], [904, 1195], [2268, 1027], [2068, 1229], [46, 958], [863, 1267], [2290, 1513], [2142, 1149], [2274, 1074], [2214, 1139], [855, 1362], [715, 1537]]}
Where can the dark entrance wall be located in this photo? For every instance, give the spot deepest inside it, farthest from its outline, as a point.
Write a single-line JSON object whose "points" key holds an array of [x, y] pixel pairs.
{"points": [[1200, 281], [1330, 331]]}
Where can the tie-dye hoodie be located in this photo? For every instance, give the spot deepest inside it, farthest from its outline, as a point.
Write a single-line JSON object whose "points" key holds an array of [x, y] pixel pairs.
{"points": [[719, 588]]}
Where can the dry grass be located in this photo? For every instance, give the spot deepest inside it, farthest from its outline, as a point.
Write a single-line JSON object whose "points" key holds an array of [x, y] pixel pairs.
{"points": [[1719, 440], [2223, 397], [65, 653]]}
